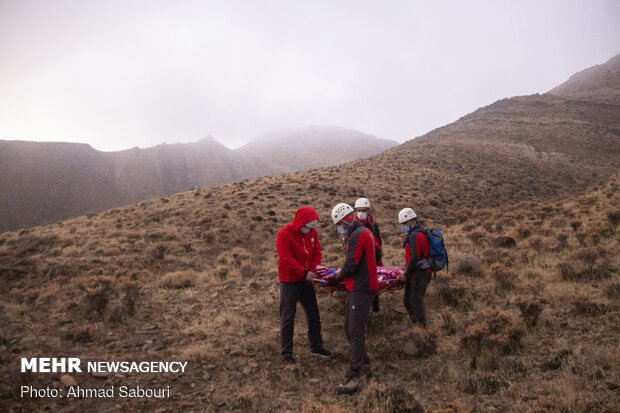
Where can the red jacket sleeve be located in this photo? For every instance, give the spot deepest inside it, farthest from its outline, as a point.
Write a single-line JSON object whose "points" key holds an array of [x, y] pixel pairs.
{"points": [[422, 245], [368, 244], [316, 254], [285, 254], [406, 254]]}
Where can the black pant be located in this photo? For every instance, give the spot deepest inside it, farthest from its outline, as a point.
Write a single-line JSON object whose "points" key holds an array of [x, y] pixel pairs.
{"points": [[355, 318], [414, 297], [290, 294], [375, 304]]}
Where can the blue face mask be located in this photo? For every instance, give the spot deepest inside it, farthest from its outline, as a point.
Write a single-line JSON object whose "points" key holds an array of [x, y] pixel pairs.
{"points": [[405, 228], [341, 229]]}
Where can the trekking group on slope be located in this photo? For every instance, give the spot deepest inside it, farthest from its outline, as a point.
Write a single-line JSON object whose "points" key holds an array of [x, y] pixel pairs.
{"points": [[299, 254]]}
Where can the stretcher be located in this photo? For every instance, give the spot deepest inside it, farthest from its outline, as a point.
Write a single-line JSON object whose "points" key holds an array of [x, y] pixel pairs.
{"points": [[389, 279]]}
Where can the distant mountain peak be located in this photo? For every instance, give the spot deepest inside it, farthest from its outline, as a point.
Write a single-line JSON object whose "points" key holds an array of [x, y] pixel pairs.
{"points": [[313, 134], [314, 146], [208, 138], [599, 82]]}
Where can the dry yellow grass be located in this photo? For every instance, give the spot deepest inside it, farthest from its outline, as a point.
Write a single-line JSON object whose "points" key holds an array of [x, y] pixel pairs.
{"points": [[179, 279], [194, 277]]}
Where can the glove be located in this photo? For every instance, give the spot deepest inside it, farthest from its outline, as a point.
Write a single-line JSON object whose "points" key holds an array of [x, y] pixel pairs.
{"points": [[331, 280]]}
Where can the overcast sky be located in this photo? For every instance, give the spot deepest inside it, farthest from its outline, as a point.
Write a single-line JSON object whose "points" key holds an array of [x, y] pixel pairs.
{"points": [[118, 74]]}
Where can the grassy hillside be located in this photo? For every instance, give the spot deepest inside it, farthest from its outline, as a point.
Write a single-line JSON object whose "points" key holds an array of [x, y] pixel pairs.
{"points": [[526, 191], [526, 320]]}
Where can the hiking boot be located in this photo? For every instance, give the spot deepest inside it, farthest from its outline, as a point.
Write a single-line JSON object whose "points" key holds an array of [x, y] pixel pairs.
{"points": [[288, 359], [321, 352], [349, 386], [367, 371]]}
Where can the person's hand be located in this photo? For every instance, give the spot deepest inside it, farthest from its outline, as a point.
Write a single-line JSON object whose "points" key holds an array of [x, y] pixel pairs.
{"points": [[402, 277], [311, 275]]}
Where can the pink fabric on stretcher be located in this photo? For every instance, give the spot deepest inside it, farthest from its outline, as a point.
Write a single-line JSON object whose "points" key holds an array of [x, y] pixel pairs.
{"points": [[388, 277]]}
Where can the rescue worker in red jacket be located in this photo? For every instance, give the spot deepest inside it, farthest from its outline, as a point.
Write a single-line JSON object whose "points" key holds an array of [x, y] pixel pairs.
{"points": [[363, 215], [417, 271], [360, 274], [299, 252]]}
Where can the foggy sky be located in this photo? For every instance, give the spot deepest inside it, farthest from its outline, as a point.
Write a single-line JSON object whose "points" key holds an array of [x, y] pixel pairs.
{"points": [[118, 74]]}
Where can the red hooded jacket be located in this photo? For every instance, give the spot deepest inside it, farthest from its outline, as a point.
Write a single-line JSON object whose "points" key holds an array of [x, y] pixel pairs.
{"points": [[297, 252]]}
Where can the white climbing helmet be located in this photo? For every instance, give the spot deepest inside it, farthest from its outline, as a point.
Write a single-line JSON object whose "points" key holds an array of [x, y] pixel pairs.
{"points": [[406, 214], [362, 203], [340, 211]]}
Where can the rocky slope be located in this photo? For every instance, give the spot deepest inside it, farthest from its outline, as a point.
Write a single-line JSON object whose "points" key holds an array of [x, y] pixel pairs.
{"points": [[598, 83]]}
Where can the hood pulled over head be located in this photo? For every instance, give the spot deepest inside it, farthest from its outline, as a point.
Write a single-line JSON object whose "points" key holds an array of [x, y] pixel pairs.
{"points": [[303, 216]]}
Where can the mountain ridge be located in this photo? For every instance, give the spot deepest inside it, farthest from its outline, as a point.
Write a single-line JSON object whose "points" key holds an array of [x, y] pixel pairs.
{"points": [[542, 145], [598, 82], [60, 185]]}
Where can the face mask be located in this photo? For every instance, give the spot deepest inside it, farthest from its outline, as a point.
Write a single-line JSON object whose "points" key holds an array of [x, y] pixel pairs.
{"points": [[406, 228], [304, 230], [312, 224], [362, 215], [341, 229]]}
